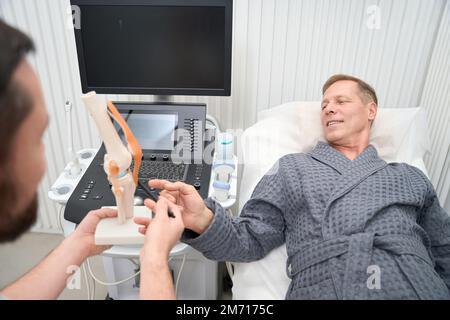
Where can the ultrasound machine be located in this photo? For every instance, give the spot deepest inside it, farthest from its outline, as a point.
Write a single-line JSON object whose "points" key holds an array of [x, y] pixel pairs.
{"points": [[160, 49]]}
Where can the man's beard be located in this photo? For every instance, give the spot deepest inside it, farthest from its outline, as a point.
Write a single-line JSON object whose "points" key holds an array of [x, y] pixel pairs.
{"points": [[14, 224]]}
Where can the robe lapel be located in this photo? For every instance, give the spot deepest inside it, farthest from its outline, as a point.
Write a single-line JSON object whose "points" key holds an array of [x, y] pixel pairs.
{"points": [[331, 157], [366, 164], [351, 172]]}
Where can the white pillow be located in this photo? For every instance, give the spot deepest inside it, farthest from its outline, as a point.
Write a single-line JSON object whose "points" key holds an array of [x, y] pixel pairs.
{"points": [[398, 134]]}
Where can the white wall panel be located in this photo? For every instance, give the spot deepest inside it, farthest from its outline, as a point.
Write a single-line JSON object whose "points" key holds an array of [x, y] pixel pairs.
{"points": [[435, 99], [283, 50]]}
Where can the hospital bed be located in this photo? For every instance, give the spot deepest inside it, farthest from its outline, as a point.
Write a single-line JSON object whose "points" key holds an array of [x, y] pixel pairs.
{"points": [[399, 135]]}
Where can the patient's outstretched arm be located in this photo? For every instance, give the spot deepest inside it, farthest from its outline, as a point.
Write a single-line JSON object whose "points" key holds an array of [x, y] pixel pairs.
{"points": [[249, 237]]}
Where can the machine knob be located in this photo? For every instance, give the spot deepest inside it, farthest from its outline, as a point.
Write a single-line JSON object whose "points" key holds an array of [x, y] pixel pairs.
{"points": [[165, 157], [152, 157], [197, 185]]}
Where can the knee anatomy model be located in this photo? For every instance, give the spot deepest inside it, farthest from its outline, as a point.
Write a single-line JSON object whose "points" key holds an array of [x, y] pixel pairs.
{"points": [[117, 159]]}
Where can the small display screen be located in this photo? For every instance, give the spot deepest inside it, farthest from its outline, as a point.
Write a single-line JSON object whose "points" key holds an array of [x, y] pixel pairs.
{"points": [[153, 131]]}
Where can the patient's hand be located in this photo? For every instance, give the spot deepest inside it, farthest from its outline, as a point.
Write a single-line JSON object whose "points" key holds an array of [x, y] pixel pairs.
{"points": [[196, 216]]}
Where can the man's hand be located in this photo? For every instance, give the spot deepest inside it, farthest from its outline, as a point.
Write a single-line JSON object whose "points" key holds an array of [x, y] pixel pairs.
{"points": [[196, 216], [162, 232], [49, 278], [84, 233]]}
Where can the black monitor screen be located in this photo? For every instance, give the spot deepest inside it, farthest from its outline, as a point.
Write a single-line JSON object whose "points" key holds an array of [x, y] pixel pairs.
{"points": [[154, 49]]}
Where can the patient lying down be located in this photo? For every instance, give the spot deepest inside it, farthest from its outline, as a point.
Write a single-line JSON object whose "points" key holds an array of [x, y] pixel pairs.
{"points": [[354, 226]]}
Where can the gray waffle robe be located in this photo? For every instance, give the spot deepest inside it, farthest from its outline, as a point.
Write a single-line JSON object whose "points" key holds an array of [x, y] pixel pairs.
{"points": [[342, 220]]}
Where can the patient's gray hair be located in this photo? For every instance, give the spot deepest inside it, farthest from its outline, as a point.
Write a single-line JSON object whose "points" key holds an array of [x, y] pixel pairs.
{"points": [[367, 92]]}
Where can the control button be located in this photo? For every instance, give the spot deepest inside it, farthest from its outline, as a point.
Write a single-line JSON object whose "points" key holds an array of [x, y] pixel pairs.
{"points": [[165, 157], [152, 157], [90, 186], [83, 197], [197, 185], [86, 191], [97, 197], [92, 181]]}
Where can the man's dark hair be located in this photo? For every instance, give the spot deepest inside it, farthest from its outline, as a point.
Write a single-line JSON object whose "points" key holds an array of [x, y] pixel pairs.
{"points": [[15, 102]]}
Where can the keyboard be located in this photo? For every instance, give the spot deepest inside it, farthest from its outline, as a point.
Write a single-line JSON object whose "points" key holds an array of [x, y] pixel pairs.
{"points": [[166, 170]]}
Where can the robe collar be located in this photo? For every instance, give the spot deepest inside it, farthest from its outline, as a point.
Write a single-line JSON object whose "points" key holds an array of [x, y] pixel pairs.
{"points": [[328, 155]]}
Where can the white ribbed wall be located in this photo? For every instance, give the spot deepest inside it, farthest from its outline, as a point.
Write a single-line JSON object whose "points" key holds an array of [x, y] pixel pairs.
{"points": [[282, 51], [436, 100]]}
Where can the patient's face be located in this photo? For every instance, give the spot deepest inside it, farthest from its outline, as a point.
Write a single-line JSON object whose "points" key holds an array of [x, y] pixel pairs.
{"points": [[345, 116], [21, 176]]}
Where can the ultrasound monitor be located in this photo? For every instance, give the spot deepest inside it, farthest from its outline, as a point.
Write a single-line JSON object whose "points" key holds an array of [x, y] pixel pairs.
{"points": [[158, 47]]}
